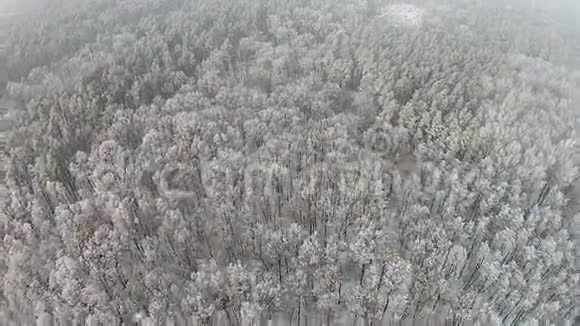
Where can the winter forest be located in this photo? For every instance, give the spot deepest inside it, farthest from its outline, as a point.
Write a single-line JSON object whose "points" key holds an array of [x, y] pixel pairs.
{"points": [[290, 162]]}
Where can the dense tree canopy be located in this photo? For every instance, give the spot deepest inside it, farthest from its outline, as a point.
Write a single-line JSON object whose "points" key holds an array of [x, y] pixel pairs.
{"points": [[185, 159]]}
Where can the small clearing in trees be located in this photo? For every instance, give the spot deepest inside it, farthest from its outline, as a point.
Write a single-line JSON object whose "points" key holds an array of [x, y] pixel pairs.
{"points": [[404, 14]]}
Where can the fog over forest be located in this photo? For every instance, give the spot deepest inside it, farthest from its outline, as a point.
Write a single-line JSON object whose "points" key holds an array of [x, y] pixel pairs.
{"points": [[289, 162]]}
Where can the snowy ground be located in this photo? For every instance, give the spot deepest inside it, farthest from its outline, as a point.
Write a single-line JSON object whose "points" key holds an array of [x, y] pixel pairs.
{"points": [[404, 14]]}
